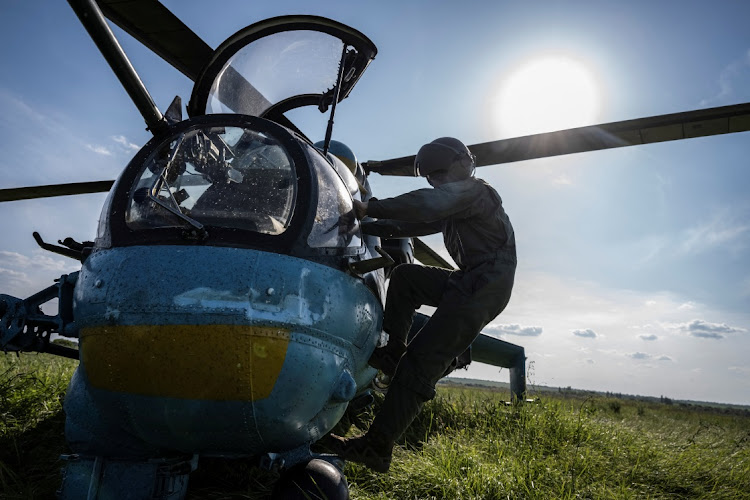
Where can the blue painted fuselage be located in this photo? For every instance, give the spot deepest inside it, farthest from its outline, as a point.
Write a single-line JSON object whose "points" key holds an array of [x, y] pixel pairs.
{"points": [[214, 350]]}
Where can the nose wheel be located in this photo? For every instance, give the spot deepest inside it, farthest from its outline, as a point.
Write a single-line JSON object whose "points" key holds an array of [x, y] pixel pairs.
{"points": [[316, 479]]}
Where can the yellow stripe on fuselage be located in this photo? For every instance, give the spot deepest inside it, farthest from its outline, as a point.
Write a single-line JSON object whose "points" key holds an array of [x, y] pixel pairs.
{"points": [[208, 362]]}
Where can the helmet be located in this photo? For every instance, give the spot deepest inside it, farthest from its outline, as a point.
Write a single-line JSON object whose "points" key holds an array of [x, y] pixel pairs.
{"points": [[342, 152], [443, 154]]}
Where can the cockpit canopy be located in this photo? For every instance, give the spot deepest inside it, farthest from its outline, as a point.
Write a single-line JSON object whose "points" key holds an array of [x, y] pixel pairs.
{"points": [[280, 64], [234, 180], [229, 175]]}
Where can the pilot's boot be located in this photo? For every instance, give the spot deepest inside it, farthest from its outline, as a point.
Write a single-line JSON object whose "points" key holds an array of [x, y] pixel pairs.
{"points": [[386, 358], [374, 450]]}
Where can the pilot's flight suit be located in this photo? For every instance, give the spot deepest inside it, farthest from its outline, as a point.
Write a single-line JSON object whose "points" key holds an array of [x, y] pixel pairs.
{"points": [[480, 239]]}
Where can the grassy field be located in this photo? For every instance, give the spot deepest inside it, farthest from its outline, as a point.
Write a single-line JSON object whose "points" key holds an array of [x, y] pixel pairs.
{"points": [[465, 444]]}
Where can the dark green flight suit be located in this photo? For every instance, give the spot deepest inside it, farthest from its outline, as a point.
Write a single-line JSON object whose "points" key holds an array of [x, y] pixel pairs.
{"points": [[480, 239]]}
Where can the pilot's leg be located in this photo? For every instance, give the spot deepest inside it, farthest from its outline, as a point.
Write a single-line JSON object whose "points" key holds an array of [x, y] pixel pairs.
{"points": [[466, 308], [411, 287]]}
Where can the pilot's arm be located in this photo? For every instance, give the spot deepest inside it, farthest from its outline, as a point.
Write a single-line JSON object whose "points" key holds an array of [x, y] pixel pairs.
{"points": [[390, 228], [423, 205]]}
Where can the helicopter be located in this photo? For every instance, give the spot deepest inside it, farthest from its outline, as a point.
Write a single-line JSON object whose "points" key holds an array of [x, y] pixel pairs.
{"points": [[258, 345]]}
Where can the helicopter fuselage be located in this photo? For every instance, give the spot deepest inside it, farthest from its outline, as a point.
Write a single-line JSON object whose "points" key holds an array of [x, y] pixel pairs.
{"points": [[255, 352]]}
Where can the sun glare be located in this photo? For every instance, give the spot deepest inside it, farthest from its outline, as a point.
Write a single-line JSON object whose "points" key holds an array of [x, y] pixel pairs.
{"points": [[547, 94]]}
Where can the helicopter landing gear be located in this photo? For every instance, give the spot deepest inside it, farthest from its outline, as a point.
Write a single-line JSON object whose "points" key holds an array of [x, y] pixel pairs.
{"points": [[316, 479]]}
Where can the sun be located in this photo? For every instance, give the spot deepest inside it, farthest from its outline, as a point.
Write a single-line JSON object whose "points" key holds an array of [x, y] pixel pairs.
{"points": [[545, 94]]}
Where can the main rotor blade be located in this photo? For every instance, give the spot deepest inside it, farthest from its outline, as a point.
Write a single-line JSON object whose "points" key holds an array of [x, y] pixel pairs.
{"points": [[428, 256], [671, 127], [493, 351], [156, 27], [29, 193]]}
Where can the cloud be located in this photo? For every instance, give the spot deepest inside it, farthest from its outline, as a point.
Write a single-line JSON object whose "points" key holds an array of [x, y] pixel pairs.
{"points": [[99, 150], [639, 355], [9, 277], [703, 329], [742, 370], [125, 143], [523, 331], [37, 262], [664, 358], [587, 333], [562, 180], [725, 229], [648, 337], [735, 74]]}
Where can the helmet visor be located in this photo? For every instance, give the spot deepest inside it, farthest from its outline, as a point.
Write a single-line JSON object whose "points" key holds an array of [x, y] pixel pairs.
{"points": [[433, 158]]}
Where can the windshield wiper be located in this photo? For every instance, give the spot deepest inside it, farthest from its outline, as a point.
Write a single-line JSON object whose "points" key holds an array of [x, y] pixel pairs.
{"points": [[199, 232]]}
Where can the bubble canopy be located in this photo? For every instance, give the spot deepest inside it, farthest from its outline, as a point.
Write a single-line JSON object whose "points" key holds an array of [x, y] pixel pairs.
{"points": [[280, 64], [234, 180]]}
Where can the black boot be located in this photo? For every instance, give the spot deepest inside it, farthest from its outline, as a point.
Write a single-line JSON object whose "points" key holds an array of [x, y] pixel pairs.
{"points": [[386, 358], [372, 450]]}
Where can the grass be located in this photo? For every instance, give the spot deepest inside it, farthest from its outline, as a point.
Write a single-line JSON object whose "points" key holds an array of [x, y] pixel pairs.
{"points": [[473, 446], [466, 444], [31, 423]]}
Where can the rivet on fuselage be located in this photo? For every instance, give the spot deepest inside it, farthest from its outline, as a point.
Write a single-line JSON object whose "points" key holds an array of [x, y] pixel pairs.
{"points": [[98, 283]]}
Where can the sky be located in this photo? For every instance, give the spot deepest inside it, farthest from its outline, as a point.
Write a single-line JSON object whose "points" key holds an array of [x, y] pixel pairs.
{"points": [[634, 267]]}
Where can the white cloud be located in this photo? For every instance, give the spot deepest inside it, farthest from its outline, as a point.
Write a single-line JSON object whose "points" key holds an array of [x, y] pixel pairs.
{"points": [[125, 143], [648, 337], [562, 180], [99, 150], [523, 331], [742, 370], [45, 137], [13, 278], [37, 262], [728, 228], [587, 333], [639, 355], [735, 74], [706, 330]]}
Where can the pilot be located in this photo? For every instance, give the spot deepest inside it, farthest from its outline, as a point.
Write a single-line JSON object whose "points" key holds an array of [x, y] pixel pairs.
{"points": [[480, 239]]}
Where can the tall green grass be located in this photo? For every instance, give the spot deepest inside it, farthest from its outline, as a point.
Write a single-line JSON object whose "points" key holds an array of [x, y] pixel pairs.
{"points": [[32, 387], [469, 444], [465, 444]]}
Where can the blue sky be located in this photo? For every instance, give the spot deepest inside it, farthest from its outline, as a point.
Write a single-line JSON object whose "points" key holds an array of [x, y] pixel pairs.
{"points": [[634, 273]]}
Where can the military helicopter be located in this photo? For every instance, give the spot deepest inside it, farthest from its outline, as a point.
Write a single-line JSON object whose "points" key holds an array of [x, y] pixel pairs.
{"points": [[257, 345]]}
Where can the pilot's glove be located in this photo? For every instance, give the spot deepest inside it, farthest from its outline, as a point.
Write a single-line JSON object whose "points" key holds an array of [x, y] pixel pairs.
{"points": [[360, 209]]}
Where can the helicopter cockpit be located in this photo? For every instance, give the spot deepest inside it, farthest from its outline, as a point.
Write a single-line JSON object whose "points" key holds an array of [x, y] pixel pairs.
{"points": [[249, 183], [238, 173]]}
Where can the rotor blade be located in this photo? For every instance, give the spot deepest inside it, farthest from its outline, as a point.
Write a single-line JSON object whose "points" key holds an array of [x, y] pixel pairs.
{"points": [[496, 352], [152, 24], [28, 193], [428, 256], [671, 127]]}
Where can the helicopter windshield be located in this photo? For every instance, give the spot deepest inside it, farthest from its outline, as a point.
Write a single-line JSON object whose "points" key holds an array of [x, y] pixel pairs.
{"points": [[279, 66], [218, 176]]}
